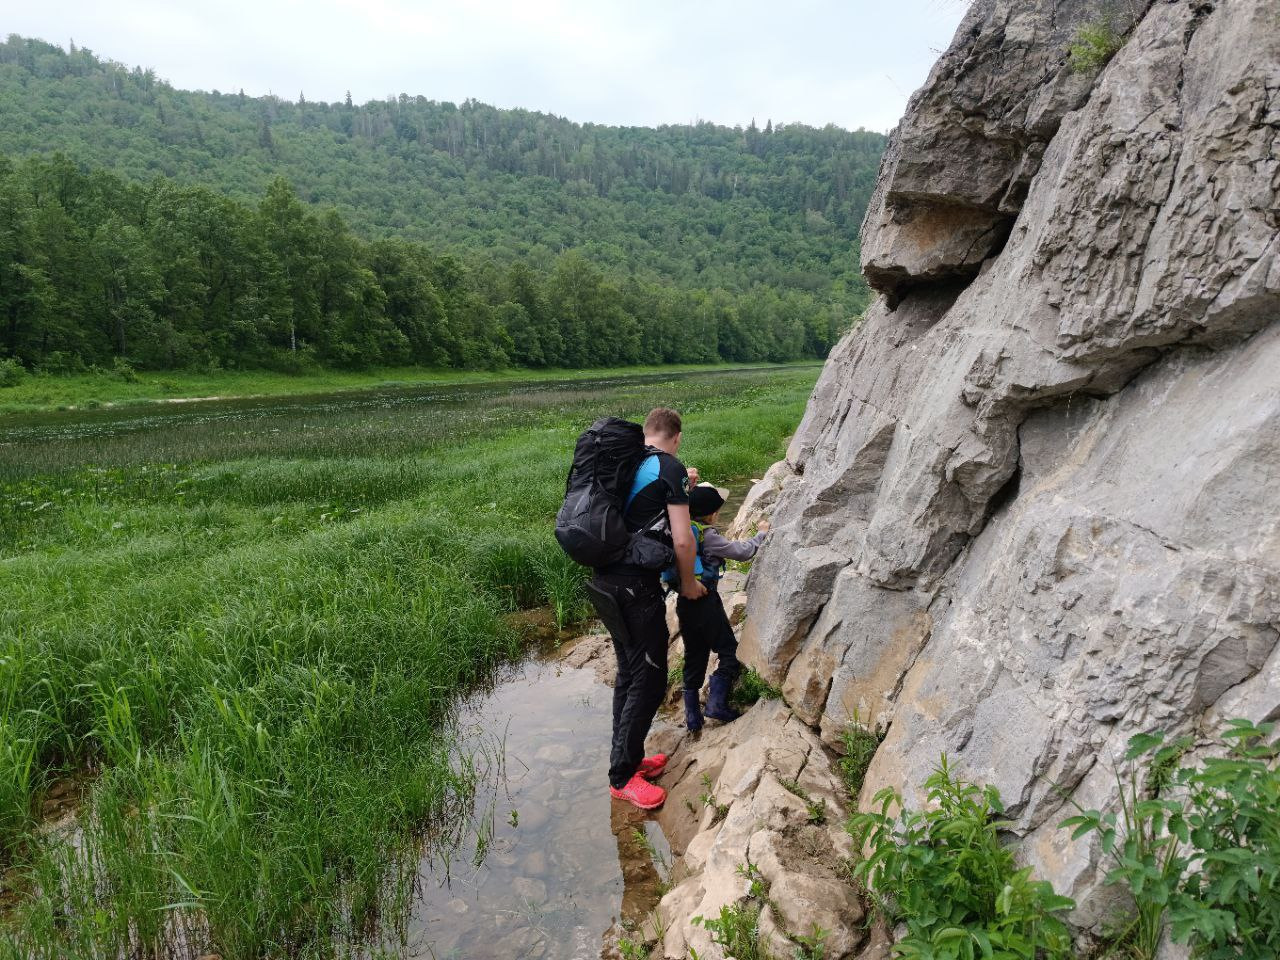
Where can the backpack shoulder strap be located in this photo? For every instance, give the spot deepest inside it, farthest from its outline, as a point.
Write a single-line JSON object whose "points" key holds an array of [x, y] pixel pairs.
{"points": [[699, 535], [646, 473]]}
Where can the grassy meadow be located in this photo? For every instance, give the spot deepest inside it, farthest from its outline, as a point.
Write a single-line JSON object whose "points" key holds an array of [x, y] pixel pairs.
{"points": [[246, 628], [40, 392]]}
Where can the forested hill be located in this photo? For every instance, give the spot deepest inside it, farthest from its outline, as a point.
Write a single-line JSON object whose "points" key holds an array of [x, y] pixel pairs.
{"points": [[694, 208]]}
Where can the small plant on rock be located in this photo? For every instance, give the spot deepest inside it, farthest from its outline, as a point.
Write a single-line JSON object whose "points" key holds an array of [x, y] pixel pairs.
{"points": [[750, 688], [811, 946], [675, 675], [860, 744], [708, 800], [945, 874], [632, 949], [1096, 42], [816, 810], [737, 929], [1094, 45], [1201, 849]]}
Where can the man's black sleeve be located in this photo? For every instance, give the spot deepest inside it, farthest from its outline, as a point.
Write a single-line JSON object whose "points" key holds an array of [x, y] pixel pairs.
{"points": [[674, 479]]}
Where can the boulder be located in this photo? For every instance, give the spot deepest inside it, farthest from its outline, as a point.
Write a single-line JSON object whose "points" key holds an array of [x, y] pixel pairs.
{"points": [[740, 805]]}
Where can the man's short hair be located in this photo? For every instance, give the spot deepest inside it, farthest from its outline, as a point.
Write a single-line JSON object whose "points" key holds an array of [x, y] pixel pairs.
{"points": [[662, 422]]}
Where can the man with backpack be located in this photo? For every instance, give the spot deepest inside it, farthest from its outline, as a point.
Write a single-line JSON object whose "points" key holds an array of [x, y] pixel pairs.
{"points": [[626, 588]]}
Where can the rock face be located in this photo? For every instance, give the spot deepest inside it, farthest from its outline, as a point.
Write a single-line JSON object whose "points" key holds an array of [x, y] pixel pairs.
{"points": [[990, 106], [1034, 505]]}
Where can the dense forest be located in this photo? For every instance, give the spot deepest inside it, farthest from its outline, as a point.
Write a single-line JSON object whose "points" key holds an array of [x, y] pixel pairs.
{"points": [[174, 228]]}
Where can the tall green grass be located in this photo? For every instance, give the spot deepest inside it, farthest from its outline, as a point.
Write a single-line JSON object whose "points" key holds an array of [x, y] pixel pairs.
{"points": [[252, 631]]}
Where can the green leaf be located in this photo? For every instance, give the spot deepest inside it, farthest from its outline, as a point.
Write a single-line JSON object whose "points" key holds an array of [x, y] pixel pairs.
{"points": [[1141, 743]]}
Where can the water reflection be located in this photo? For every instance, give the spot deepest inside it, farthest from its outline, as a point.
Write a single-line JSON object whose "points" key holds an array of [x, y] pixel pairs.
{"points": [[554, 863]]}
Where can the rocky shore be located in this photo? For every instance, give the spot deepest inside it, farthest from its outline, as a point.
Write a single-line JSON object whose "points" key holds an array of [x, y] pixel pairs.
{"points": [[1033, 508], [754, 816]]}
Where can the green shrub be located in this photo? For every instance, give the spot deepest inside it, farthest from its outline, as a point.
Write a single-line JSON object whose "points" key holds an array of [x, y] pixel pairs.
{"points": [[1094, 45], [944, 872], [12, 372], [123, 370], [1203, 853], [61, 361]]}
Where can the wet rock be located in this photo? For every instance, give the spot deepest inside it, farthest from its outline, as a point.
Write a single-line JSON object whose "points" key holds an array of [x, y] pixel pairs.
{"points": [[522, 942], [582, 651], [535, 863], [596, 650], [533, 816], [530, 888]]}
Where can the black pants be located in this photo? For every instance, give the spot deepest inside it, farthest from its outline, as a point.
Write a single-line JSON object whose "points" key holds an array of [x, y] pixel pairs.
{"points": [[705, 626], [633, 609]]}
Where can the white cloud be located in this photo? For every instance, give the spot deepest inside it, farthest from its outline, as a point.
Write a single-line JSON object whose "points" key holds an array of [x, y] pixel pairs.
{"points": [[852, 63]]}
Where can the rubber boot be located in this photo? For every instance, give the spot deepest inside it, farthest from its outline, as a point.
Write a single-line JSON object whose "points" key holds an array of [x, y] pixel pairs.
{"points": [[718, 700], [692, 711]]}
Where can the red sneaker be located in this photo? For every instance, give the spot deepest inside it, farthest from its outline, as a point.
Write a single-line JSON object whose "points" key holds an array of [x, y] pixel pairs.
{"points": [[641, 792], [651, 767]]}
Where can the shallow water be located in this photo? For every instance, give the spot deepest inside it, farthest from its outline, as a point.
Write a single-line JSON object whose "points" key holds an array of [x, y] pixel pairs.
{"points": [[563, 865]]}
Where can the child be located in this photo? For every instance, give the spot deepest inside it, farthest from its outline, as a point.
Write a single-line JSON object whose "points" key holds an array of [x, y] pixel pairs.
{"points": [[703, 623]]}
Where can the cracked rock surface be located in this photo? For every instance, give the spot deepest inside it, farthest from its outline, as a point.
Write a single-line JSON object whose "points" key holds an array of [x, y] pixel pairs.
{"points": [[759, 797], [1034, 505]]}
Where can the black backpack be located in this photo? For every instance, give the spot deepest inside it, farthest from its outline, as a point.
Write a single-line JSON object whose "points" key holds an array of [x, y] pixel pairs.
{"points": [[590, 524]]}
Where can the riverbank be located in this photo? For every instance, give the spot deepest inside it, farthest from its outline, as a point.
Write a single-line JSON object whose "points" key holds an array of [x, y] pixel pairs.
{"points": [[255, 620], [87, 391]]}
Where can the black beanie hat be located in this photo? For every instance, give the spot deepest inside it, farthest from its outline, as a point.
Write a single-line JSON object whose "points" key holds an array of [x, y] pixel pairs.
{"points": [[704, 500]]}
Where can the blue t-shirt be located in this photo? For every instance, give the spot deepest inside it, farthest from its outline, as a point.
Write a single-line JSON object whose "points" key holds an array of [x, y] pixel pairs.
{"points": [[661, 479]]}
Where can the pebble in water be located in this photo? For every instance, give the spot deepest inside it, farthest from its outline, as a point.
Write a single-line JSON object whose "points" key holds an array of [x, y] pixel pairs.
{"points": [[567, 867]]}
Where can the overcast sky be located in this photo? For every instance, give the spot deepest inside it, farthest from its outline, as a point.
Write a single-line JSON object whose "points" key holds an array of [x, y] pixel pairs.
{"points": [[644, 62]]}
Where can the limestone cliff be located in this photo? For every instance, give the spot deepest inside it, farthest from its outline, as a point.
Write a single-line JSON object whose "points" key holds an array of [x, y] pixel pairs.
{"points": [[1034, 506]]}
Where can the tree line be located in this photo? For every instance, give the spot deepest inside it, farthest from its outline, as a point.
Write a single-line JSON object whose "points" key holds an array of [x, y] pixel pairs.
{"points": [[699, 206], [95, 267]]}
